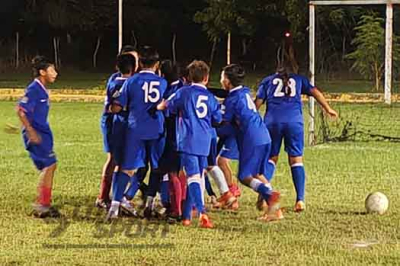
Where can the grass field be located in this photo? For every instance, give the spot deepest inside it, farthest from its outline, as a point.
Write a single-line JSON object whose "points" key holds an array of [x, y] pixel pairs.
{"points": [[69, 79], [333, 231]]}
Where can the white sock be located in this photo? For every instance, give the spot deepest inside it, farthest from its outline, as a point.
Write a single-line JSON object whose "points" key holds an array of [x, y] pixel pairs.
{"points": [[125, 201], [202, 186], [218, 176]]}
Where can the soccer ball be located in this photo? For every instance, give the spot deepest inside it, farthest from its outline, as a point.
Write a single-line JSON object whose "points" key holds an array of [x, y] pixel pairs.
{"points": [[376, 202]]}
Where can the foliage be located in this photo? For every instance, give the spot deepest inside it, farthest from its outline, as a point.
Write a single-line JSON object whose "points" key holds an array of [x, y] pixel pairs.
{"points": [[370, 49]]}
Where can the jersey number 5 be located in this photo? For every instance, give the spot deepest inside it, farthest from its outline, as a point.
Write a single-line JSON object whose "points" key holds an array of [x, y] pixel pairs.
{"points": [[151, 92], [279, 88], [201, 106]]}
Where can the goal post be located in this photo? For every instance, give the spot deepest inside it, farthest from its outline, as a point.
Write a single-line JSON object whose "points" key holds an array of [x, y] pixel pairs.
{"points": [[388, 48]]}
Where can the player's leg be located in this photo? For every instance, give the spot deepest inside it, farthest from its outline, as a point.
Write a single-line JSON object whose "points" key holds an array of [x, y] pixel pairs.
{"points": [[251, 171], [294, 146], [45, 161], [213, 171], [276, 133]]}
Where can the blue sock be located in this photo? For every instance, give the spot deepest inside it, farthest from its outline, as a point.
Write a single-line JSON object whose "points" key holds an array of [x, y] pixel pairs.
{"points": [[164, 191], [270, 170], [196, 195], [299, 180], [265, 191], [209, 189], [187, 207], [119, 186], [133, 188]]}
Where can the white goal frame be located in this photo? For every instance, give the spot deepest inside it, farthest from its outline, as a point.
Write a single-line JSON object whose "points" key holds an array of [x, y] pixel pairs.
{"points": [[388, 48]]}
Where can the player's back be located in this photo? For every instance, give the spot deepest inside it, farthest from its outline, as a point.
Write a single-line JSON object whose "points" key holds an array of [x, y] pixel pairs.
{"points": [[240, 109], [143, 92], [197, 110], [284, 103]]}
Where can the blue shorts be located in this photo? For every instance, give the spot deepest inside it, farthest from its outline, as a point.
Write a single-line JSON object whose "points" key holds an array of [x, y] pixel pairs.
{"points": [[293, 136], [212, 157], [42, 154], [137, 152], [106, 130], [253, 161], [193, 164], [117, 141], [230, 149]]}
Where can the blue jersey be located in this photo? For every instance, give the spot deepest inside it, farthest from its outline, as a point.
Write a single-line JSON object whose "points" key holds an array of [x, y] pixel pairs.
{"points": [[240, 110], [112, 92], [197, 108], [113, 77], [284, 103], [35, 104], [140, 94], [171, 119]]}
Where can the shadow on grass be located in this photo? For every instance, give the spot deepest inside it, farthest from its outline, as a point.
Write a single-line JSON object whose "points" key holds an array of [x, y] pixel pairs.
{"points": [[350, 213]]}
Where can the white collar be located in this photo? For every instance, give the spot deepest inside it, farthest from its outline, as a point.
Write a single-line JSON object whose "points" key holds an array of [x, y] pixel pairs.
{"points": [[236, 88], [147, 71], [199, 85], [120, 78], [175, 82], [41, 85]]}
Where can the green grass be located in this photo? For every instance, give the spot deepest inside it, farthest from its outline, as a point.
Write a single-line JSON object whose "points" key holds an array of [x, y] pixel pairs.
{"points": [[340, 175], [90, 80]]}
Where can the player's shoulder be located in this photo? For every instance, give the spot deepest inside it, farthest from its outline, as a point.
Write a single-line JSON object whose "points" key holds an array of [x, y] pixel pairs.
{"points": [[269, 79], [33, 88]]}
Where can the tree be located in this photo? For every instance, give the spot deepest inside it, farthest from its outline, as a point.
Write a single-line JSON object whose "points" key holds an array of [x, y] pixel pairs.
{"points": [[370, 49]]}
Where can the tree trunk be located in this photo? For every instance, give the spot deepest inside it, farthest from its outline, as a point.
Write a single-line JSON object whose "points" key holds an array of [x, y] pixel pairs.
{"points": [[17, 50], [55, 52], [228, 49], [96, 51], [213, 49], [377, 79], [174, 48], [244, 47]]}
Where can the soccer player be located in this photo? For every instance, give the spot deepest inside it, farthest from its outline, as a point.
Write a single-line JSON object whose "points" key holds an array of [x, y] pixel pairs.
{"points": [[252, 136], [284, 118], [113, 128], [145, 134], [126, 49], [33, 110], [197, 109]]}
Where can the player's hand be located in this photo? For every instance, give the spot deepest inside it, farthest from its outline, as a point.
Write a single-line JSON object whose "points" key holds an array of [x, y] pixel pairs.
{"points": [[33, 137], [332, 113], [162, 105]]}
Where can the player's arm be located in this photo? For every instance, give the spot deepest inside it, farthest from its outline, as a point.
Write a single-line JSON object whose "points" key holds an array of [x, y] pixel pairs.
{"points": [[120, 99], [27, 104], [261, 96], [317, 94]]}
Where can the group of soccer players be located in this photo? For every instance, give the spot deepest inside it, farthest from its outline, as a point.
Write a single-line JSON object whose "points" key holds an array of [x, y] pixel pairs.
{"points": [[160, 115]]}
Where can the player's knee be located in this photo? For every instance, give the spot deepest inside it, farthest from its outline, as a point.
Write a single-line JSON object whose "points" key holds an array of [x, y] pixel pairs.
{"points": [[222, 161], [274, 159], [295, 160], [130, 173]]}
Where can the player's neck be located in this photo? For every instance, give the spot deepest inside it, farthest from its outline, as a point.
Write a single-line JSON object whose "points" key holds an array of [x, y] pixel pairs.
{"points": [[148, 69], [42, 80]]}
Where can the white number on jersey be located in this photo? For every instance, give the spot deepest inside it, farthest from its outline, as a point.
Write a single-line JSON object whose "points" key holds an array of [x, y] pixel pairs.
{"points": [[250, 103], [201, 106], [151, 92], [279, 88]]}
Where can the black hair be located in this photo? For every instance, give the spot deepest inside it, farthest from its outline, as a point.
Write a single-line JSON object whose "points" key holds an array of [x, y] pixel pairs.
{"points": [[148, 56], [170, 71], [126, 63], [283, 72], [40, 63], [235, 73], [127, 48]]}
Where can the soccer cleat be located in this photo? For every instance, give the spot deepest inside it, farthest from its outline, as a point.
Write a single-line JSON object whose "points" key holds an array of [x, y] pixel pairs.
{"points": [[43, 212], [235, 190], [300, 206], [273, 202], [186, 222], [261, 204], [102, 204], [205, 221], [214, 202], [111, 215], [269, 217], [227, 199], [148, 213], [173, 219], [128, 209]]}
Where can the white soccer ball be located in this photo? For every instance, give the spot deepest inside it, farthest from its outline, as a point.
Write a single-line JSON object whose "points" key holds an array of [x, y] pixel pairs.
{"points": [[376, 202]]}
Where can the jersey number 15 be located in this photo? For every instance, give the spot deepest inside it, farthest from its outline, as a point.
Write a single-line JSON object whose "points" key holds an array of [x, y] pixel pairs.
{"points": [[151, 92]]}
